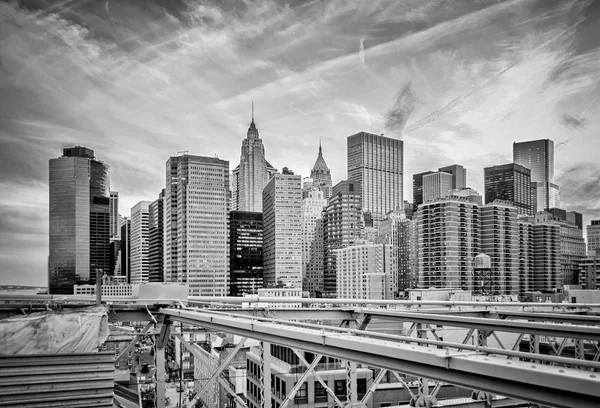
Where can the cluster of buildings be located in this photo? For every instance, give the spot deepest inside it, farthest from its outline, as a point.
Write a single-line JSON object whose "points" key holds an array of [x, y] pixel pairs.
{"points": [[224, 232]]}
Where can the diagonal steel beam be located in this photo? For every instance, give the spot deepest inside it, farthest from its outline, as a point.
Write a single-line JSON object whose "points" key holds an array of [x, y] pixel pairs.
{"points": [[217, 372], [232, 392], [301, 380], [132, 344], [318, 377], [373, 386]]}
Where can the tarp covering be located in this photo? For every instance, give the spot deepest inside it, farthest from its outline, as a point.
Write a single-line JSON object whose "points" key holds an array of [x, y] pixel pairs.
{"points": [[69, 331]]}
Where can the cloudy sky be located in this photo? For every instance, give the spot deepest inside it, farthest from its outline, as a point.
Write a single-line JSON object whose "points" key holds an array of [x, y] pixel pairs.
{"points": [[140, 80]]}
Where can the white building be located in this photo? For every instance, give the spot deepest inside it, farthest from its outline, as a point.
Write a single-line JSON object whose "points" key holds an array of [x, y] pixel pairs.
{"points": [[139, 242], [282, 231], [436, 185], [366, 272], [196, 233], [312, 241]]}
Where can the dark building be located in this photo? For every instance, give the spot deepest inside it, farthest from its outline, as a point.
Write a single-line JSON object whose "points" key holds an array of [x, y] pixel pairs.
{"points": [[510, 182], [246, 252], [155, 239], [459, 181], [79, 220], [126, 248], [342, 224]]}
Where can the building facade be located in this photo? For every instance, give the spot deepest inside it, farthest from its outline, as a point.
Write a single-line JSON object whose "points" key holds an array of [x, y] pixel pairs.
{"points": [[245, 252], [156, 231], [253, 173], [538, 156], [499, 232], [342, 225], [448, 231], [79, 219], [401, 232], [436, 185], [113, 215], [282, 226], [139, 242], [196, 224], [593, 236], [312, 240], [510, 182], [376, 163], [459, 175], [546, 276], [366, 271], [525, 255], [125, 249]]}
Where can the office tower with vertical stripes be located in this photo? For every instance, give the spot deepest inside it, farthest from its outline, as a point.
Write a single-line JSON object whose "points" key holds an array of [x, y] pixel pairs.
{"points": [[197, 203], [376, 163], [510, 182], [139, 242], [312, 240], [155, 239], [282, 230]]}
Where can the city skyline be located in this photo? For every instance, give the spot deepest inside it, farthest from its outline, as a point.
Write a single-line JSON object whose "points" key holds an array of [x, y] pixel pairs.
{"points": [[457, 83]]}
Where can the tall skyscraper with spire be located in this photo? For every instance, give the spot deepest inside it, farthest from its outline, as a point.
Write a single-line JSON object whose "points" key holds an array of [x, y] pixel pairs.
{"points": [[321, 175], [253, 173]]}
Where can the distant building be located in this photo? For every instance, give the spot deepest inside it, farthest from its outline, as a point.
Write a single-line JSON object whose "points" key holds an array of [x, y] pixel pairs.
{"points": [[79, 219], [246, 252], [282, 226], [321, 175], [459, 175], [525, 255], [401, 232], [376, 163], [342, 225], [196, 240], [572, 246], [436, 185], [253, 173], [312, 240], [417, 185], [510, 182], [448, 242], [589, 268], [538, 156], [499, 233], [113, 215], [139, 242], [156, 232], [546, 274], [571, 217], [125, 250], [593, 236], [366, 272]]}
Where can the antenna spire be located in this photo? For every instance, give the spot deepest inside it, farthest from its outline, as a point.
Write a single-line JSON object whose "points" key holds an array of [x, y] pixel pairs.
{"points": [[252, 111]]}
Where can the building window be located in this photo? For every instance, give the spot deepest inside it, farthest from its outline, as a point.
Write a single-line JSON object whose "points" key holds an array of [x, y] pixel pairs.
{"points": [[302, 394], [320, 392], [340, 389]]}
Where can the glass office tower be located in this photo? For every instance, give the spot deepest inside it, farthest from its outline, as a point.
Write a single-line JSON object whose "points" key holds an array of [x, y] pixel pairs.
{"points": [[79, 219]]}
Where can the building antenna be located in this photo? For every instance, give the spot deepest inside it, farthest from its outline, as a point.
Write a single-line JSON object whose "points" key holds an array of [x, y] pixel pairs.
{"points": [[252, 111]]}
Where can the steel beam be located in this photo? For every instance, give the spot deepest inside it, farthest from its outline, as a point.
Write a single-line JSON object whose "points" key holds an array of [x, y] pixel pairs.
{"points": [[537, 383], [513, 326], [265, 359], [301, 381]]}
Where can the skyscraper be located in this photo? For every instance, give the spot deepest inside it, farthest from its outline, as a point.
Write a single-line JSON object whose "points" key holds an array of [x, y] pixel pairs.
{"points": [[139, 242], [253, 173], [196, 231], [538, 156], [155, 239], [113, 212], [245, 252], [448, 242], [499, 240], [342, 225], [593, 236], [510, 182], [376, 164], [79, 219], [546, 274], [321, 175], [312, 241], [459, 175], [125, 249], [436, 185], [282, 226]]}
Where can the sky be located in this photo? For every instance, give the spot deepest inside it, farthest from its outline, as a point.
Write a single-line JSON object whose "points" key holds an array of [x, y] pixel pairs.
{"points": [[138, 81]]}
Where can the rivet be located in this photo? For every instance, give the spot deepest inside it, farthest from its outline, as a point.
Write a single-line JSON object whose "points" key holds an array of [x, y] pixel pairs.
{"points": [[561, 371], [534, 366]]}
